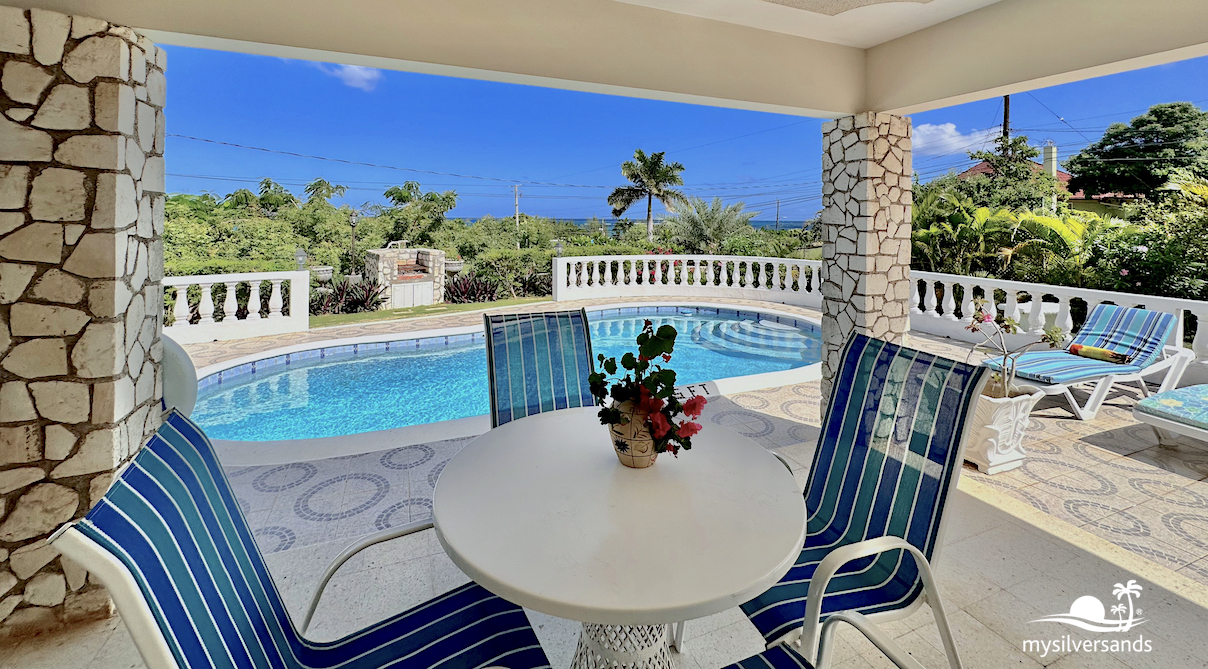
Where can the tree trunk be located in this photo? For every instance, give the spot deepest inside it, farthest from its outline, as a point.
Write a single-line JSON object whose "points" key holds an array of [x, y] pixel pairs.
{"points": [[650, 218]]}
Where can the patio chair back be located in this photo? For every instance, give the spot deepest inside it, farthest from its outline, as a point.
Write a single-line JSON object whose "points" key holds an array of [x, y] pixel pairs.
{"points": [[537, 362], [171, 519], [1138, 334], [887, 458]]}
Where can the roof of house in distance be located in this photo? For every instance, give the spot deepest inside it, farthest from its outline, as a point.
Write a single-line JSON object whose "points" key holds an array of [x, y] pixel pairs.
{"points": [[1063, 178]]}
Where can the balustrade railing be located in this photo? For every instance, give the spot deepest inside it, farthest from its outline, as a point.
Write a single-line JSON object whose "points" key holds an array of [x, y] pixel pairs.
{"points": [[939, 302], [220, 307]]}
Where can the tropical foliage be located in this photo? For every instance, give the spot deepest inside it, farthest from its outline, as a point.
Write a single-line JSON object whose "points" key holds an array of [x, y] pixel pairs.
{"points": [[651, 178], [705, 227]]}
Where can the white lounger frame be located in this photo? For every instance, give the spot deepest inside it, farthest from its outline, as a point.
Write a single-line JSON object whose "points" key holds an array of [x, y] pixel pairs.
{"points": [[1174, 362], [1162, 425]]}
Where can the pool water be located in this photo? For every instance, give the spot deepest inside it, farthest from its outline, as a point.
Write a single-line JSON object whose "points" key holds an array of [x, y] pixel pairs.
{"points": [[342, 393]]}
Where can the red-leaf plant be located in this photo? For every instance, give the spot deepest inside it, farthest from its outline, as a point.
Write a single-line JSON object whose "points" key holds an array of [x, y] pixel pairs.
{"points": [[651, 388]]}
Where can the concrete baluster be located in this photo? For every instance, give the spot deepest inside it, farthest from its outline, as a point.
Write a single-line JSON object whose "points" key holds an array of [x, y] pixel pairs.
{"points": [[274, 300], [206, 308], [1200, 344], [949, 302], [929, 301], [915, 297], [1011, 307], [1036, 322], [230, 304], [180, 312], [1064, 320]]}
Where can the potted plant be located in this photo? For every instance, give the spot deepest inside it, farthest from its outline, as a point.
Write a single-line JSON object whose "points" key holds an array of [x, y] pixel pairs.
{"points": [[454, 265], [1004, 409], [642, 407]]}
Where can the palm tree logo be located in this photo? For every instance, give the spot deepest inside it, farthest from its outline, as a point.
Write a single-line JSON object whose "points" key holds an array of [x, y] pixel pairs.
{"points": [[1130, 590]]}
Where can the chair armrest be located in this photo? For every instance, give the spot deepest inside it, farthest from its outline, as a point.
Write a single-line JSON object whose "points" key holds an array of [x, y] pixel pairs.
{"points": [[1176, 359], [831, 564], [871, 631], [353, 549]]}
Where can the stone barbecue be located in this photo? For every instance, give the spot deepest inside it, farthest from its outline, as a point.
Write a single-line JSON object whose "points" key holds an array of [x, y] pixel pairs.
{"points": [[413, 277]]}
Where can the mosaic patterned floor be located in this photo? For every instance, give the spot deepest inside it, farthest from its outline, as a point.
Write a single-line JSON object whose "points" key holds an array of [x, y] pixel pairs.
{"points": [[1108, 476]]}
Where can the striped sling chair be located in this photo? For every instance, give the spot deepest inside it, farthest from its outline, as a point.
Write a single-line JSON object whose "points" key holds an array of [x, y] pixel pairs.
{"points": [[887, 460], [537, 362], [169, 542], [1139, 336]]}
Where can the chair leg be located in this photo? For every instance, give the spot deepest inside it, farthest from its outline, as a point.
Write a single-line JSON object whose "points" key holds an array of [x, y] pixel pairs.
{"points": [[677, 636], [1089, 410]]}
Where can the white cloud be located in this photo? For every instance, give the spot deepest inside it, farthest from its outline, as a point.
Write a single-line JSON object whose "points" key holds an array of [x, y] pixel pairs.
{"points": [[356, 76], [944, 139]]}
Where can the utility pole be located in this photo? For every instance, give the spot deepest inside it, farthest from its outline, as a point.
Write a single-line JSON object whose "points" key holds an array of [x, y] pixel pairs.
{"points": [[516, 192], [777, 215], [1006, 123]]}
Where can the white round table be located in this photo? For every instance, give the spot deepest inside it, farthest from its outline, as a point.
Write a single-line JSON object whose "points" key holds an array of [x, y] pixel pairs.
{"points": [[540, 512]]}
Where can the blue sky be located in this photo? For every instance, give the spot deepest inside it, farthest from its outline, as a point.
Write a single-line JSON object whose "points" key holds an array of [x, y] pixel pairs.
{"points": [[533, 136]]}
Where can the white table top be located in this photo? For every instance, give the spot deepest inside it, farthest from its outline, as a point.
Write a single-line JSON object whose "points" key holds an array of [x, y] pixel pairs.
{"points": [[540, 512]]}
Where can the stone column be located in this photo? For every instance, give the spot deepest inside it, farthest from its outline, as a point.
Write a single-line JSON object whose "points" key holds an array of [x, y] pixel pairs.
{"points": [[81, 213], [866, 199]]}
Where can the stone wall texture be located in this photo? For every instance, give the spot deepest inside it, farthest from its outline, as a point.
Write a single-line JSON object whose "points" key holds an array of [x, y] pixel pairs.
{"points": [[81, 214], [866, 199]]}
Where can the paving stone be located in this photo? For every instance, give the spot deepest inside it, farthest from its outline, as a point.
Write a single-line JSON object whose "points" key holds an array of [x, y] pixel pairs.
{"points": [[24, 82], [20, 144], [106, 152], [37, 358], [13, 280], [97, 255], [11, 220], [102, 56], [14, 183], [19, 445], [61, 401], [72, 233], [19, 114], [116, 204], [12, 479], [46, 590], [14, 30], [28, 559], [59, 442], [50, 34], [99, 452], [16, 405], [115, 107], [58, 286], [98, 353], [37, 242], [43, 320], [39, 511], [58, 195]]}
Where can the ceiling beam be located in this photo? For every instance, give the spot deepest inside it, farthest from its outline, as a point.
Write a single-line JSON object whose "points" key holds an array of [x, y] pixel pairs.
{"points": [[1018, 45]]}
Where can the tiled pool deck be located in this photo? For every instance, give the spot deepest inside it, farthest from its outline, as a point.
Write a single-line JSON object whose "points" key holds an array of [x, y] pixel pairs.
{"points": [[1096, 503]]}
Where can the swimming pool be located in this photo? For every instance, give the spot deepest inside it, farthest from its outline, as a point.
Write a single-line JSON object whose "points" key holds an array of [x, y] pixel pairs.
{"points": [[356, 388]]}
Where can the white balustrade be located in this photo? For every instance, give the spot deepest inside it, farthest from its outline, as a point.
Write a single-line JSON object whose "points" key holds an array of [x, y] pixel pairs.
{"points": [[735, 277], [230, 326]]}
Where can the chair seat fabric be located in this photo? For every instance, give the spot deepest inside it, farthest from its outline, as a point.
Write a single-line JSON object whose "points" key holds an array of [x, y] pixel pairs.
{"points": [[537, 362], [172, 520], [779, 656], [1137, 334], [1188, 406], [1061, 367]]}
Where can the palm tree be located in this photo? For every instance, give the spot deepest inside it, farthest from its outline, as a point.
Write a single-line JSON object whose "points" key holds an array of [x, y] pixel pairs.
{"points": [[243, 199], [704, 226], [321, 190], [652, 178], [1129, 590], [274, 197], [416, 213], [1069, 241]]}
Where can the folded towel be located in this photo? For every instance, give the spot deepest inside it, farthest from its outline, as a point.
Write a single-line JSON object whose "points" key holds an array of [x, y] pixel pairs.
{"points": [[1096, 353]]}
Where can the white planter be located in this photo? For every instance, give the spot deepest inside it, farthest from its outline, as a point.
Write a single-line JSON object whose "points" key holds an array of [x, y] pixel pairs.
{"points": [[999, 424]]}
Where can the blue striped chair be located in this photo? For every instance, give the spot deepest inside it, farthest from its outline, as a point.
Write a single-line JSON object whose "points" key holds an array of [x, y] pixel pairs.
{"points": [[537, 362], [1141, 336], [169, 542], [887, 459]]}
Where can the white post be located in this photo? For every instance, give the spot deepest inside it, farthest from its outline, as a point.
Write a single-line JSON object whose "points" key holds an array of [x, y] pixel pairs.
{"points": [[180, 312], [949, 301], [206, 308], [929, 301], [274, 300], [230, 304], [1036, 315], [1200, 344]]}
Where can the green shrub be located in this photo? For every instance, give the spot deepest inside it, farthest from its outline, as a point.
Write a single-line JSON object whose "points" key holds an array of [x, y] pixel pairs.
{"points": [[182, 267]]}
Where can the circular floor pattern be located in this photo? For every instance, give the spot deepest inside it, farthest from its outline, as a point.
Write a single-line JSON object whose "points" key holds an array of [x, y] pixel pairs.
{"points": [[1124, 523], [386, 519], [752, 402], [284, 477], [1182, 524], [407, 457], [285, 537], [1105, 487], [302, 506], [802, 410], [1076, 508], [435, 473]]}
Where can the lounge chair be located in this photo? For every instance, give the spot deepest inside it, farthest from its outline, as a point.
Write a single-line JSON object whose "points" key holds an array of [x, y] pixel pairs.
{"points": [[537, 362], [171, 545], [1140, 338], [1182, 411], [887, 460]]}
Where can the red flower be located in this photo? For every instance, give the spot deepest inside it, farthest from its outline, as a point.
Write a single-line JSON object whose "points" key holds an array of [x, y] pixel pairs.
{"points": [[687, 429], [659, 426], [648, 403], [694, 406], [666, 357], [642, 358]]}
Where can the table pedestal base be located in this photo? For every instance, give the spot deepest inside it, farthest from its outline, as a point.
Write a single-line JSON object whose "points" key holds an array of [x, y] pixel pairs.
{"points": [[622, 647]]}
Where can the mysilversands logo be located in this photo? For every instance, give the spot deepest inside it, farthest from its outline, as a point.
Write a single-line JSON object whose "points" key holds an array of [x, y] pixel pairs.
{"points": [[1088, 613]]}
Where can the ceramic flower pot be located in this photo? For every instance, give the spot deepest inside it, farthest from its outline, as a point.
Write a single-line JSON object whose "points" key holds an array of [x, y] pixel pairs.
{"points": [[999, 425], [632, 440]]}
